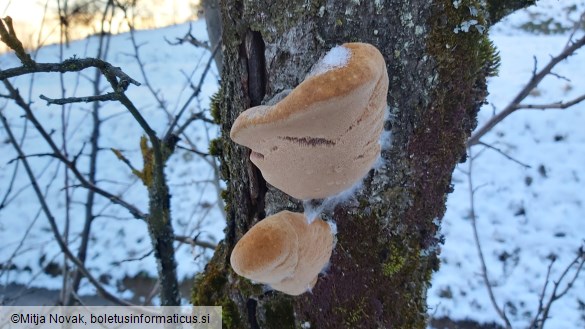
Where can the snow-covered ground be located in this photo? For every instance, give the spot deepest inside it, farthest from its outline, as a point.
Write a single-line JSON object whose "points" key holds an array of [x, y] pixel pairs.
{"points": [[525, 215], [119, 245]]}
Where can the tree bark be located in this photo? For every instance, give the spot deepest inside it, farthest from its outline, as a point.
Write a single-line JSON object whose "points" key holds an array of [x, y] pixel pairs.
{"points": [[388, 240]]}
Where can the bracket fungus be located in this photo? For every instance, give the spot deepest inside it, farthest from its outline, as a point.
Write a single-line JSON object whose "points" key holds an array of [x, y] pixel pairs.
{"points": [[322, 137], [284, 251]]}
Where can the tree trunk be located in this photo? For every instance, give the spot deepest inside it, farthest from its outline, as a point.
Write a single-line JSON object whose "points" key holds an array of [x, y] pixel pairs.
{"points": [[388, 240]]}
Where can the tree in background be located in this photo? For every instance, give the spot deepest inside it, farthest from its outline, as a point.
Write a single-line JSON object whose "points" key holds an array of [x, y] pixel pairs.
{"points": [[108, 84]]}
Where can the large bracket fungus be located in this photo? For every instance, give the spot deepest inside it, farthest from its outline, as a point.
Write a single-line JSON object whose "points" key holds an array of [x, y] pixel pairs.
{"points": [[317, 141], [323, 137], [284, 251]]}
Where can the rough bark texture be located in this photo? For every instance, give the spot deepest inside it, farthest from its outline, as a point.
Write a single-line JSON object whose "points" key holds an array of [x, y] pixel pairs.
{"points": [[159, 221], [387, 242]]}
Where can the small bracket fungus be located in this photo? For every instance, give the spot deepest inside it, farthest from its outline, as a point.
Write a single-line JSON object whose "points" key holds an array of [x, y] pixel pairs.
{"points": [[284, 251], [324, 135]]}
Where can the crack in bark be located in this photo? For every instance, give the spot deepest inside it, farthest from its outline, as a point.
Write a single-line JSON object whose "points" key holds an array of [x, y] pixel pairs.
{"points": [[256, 64], [252, 320], [256, 67]]}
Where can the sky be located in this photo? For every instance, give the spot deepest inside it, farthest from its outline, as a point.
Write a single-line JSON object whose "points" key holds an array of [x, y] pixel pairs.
{"points": [[29, 18]]}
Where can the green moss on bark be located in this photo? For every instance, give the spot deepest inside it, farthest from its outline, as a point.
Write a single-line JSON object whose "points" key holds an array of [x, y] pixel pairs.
{"points": [[214, 107], [209, 290], [395, 262], [279, 313], [215, 147]]}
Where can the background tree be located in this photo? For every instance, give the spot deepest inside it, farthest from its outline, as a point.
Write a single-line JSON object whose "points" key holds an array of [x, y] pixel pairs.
{"points": [[438, 57], [156, 148]]}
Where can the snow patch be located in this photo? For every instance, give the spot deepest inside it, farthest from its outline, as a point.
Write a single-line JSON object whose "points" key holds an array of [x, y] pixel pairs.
{"points": [[336, 57]]}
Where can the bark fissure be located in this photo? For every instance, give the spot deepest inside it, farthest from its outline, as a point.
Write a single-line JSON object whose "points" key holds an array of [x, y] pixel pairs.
{"points": [[251, 307], [256, 64]]}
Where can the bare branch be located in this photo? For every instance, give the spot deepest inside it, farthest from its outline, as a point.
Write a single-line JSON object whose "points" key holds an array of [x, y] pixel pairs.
{"points": [[560, 77], [189, 38], [102, 51], [31, 156], [70, 164], [484, 271], [534, 322], [203, 154], [542, 314], [193, 117], [534, 81], [122, 158], [134, 259], [141, 66], [74, 65], [86, 99], [52, 222], [195, 242], [558, 105], [504, 154], [196, 92], [8, 36]]}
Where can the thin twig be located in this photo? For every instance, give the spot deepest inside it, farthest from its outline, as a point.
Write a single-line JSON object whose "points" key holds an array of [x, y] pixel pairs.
{"points": [[558, 105], [203, 154], [6, 263], [504, 154], [196, 91], [193, 117], [484, 271], [189, 38], [195, 242], [32, 156], [8, 36], [542, 314], [85, 99], [102, 51], [534, 81], [122, 158], [534, 322], [70, 164], [134, 259], [141, 66], [52, 222], [72, 65]]}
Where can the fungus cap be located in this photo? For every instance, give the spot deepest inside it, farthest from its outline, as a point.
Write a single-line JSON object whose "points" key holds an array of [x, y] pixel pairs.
{"points": [[284, 251], [324, 135]]}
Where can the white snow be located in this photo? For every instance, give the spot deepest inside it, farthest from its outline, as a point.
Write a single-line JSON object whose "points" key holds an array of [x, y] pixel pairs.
{"points": [[116, 237], [525, 215], [337, 57]]}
